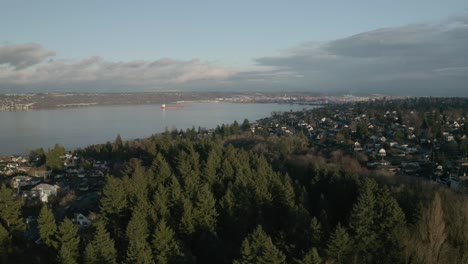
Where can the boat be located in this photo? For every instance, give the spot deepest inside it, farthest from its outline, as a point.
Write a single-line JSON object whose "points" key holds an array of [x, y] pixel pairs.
{"points": [[164, 106]]}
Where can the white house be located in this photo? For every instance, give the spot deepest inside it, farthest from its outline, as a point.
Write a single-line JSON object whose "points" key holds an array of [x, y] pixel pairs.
{"points": [[46, 191], [82, 220]]}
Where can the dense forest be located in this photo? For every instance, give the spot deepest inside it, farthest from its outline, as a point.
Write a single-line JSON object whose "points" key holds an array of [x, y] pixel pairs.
{"points": [[234, 197]]}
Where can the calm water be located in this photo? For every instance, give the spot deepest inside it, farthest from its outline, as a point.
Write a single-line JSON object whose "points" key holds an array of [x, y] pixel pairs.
{"points": [[21, 132]]}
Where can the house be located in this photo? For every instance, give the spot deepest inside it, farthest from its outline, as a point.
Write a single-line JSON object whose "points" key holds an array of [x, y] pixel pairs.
{"points": [[40, 172], [22, 180], [382, 153], [449, 138], [46, 191], [82, 220], [410, 167], [357, 146], [84, 186]]}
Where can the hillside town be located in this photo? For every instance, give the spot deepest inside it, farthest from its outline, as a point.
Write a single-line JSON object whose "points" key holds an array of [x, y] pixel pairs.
{"points": [[385, 136], [432, 145]]}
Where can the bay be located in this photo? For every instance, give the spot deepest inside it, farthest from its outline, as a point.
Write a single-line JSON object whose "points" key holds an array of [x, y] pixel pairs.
{"points": [[21, 132]]}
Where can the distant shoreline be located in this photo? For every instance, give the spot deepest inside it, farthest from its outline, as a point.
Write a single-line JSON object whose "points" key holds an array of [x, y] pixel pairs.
{"points": [[27, 102]]}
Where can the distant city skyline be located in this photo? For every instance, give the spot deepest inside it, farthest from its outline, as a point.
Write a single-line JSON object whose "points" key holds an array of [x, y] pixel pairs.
{"points": [[397, 48]]}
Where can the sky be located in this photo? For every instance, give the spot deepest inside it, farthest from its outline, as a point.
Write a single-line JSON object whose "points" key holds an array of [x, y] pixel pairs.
{"points": [[360, 47]]}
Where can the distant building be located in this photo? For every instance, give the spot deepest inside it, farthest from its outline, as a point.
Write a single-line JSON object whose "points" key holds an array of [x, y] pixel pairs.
{"points": [[46, 191]]}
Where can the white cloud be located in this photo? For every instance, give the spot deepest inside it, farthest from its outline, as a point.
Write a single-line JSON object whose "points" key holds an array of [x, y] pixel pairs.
{"points": [[424, 59], [105, 74], [22, 56]]}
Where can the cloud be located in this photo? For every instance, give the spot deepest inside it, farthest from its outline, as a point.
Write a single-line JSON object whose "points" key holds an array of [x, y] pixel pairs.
{"points": [[22, 56], [419, 60], [425, 59], [98, 74]]}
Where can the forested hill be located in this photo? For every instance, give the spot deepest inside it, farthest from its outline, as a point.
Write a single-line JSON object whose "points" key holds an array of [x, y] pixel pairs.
{"points": [[234, 197]]}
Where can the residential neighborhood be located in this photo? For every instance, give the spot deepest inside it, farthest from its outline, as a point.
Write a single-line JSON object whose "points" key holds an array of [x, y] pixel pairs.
{"points": [[397, 141], [72, 192]]}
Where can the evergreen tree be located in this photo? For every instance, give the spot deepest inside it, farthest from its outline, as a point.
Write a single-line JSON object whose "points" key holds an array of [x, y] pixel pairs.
{"points": [[100, 250], [339, 246], [390, 228], [362, 220], [312, 257], [211, 166], [114, 204], [161, 170], [10, 212], [235, 128], [53, 160], [204, 211], [138, 251], [166, 248], [5, 244], [69, 242], [174, 190], [118, 141], [316, 232], [257, 247], [161, 204], [48, 228], [226, 169], [245, 125], [114, 198], [137, 186], [187, 221]]}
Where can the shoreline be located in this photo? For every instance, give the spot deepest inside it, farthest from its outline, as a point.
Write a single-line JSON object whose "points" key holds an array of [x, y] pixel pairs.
{"points": [[31, 102]]}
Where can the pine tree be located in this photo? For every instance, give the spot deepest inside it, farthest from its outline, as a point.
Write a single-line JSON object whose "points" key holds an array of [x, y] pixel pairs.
{"points": [[339, 245], [211, 166], [166, 248], [257, 247], [114, 204], [161, 203], [138, 251], [316, 232], [235, 128], [188, 169], [114, 198], [48, 228], [53, 160], [137, 186], [5, 244], [187, 221], [118, 141], [204, 211], [390, 228], [245, 125], [227, 171], [362, 220], [10, 212], [161, 170], [175, 191], [100, 250], [312, 257], [69, 242]]}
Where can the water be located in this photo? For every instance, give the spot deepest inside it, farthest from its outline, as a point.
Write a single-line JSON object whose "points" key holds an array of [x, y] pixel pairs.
{"points": [[21, 132]]}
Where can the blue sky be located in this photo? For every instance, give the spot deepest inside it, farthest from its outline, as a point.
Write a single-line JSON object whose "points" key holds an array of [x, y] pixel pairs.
{"points": [[235, 36]]}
